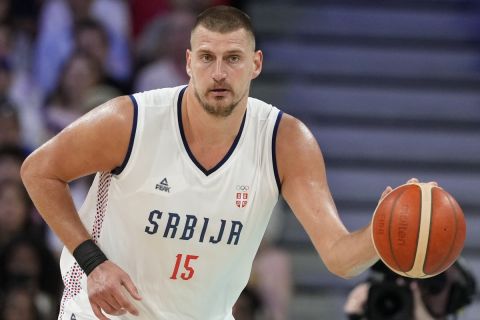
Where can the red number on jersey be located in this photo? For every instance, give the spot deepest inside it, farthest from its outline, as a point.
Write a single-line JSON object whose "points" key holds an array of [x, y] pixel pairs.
{"points": [[189, 271]]}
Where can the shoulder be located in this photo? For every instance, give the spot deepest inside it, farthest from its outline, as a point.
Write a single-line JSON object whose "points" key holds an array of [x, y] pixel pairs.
{"points": [[260, 109], [158, 97], [97, 141], [292, 133], [297, 149], [117, 112], [107, 125]]}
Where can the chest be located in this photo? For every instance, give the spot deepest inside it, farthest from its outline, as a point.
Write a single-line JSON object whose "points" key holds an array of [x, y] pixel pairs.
{"points": [[209, 156]]}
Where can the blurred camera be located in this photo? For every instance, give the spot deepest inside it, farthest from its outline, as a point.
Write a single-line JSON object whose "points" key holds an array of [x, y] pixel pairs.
{"points": [[390, 295], [389, 301]]}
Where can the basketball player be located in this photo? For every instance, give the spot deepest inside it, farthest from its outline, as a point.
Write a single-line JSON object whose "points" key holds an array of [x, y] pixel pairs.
{"points": [[188, 177]]}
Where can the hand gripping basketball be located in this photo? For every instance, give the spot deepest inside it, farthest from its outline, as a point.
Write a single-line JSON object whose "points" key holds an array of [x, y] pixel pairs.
{"points": [[418, 230]]}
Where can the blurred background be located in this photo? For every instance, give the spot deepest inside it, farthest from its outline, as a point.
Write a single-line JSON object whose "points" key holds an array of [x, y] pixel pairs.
{"points": [[391, 90]]}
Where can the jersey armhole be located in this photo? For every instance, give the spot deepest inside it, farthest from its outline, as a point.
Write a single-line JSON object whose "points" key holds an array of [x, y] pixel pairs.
{"points": [[274, 152], [118, 170]]}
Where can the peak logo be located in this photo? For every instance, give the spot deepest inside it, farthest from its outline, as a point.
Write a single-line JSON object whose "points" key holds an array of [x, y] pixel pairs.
{"points": [[163, 186]]}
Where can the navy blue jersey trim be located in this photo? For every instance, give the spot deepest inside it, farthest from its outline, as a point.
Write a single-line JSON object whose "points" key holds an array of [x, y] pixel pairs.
{"points": [[119, 170], [274, 151], [185, 143]]}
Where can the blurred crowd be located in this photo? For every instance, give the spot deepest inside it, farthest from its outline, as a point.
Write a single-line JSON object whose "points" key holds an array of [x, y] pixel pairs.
{"points": [[58, 60]]}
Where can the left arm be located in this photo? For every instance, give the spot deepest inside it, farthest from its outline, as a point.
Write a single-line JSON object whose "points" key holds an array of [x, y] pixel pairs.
{"points": [[304, 186]]}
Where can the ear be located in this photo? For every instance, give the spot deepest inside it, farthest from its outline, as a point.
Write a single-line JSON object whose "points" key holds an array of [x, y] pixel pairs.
{"points": [[257, 63], [188, 57]]}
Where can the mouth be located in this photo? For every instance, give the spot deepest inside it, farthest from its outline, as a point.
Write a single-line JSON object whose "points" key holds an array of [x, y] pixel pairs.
{"points": [[219, 90], [219, 93]]}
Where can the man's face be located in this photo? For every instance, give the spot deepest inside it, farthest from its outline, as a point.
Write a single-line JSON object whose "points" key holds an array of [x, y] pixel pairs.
{"points": [[221, 67]]}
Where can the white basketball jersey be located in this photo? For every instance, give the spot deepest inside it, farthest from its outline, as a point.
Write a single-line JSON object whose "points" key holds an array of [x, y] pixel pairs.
{"points": [[186, 236]]}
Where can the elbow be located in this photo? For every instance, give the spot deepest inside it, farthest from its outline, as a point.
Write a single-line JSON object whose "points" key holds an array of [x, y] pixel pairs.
{"points": [[345, 275], [341, 272], [27, 169], [340, 268]]}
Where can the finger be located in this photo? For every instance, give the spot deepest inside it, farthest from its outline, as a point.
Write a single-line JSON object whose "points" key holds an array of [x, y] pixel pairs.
{"points": [[119, 312], [107, 308], [112, 307], [126, 304], [413, 180], [115, 303], [131, 288], [385, 192], [118, 305], [98, 312]]}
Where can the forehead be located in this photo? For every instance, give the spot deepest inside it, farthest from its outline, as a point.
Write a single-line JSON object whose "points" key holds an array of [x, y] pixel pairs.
{"points": [[202, 38]]}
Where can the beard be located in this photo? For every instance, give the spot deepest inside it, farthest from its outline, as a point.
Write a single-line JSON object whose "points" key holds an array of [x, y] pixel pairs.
{"points": [[220, 110]]}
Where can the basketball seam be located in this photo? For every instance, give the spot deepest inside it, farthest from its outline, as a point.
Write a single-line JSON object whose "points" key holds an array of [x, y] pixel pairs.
{"points": [[429, 231], [418, 231], [394, 258], [420, 258]]}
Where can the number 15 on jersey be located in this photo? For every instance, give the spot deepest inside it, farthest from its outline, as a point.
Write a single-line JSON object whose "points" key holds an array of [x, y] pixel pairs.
{"points": [[189, 270]]}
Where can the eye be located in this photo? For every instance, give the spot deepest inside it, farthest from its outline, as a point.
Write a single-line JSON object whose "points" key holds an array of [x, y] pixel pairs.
{"points": [[206, 58], [234, 59]]}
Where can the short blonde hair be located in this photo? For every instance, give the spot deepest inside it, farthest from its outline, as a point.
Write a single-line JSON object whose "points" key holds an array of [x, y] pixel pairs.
{"points": [[225, 19]]}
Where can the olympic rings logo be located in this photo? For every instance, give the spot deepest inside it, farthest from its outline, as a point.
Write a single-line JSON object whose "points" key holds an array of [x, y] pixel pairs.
{"points": [[242, 188]]}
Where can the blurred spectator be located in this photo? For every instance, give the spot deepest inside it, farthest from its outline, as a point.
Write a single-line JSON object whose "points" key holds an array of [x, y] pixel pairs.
{"points": [[55, 40], [17, 38], [9, 120], [9, 123], [5, 41], [117, 23], [146, 11], [271, 277], [5, 72], [23, 17], [248, 306], [81, 88], [11, 159], [18, 304], [91, 37], [67, 103], [27, 264], [16, 213], [19, 109], [4, 10], [170, 36]]}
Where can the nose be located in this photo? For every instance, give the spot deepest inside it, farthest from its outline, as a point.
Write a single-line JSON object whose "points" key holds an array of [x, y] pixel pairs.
{"points": [[219, 72]]}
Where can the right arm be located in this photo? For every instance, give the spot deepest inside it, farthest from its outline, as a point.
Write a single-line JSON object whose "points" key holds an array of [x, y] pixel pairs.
{"points": [[98, 141]]}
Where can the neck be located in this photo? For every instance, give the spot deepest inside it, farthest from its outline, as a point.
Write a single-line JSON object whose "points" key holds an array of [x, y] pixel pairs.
{"points": [[207, 129]]}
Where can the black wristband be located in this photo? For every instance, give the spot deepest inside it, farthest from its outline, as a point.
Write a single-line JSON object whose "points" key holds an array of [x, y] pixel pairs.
{"points": [[88, 256]]}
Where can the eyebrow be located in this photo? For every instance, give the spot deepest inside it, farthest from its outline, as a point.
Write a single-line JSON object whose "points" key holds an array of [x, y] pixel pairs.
{"points": [[235, 51], [229, 52]]}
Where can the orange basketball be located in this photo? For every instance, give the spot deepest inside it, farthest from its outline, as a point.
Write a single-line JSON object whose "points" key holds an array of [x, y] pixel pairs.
{"points": [[418, 230]]}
